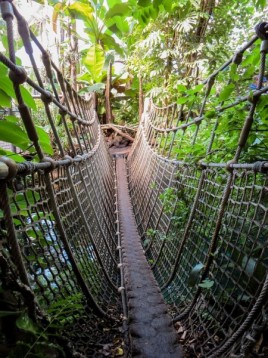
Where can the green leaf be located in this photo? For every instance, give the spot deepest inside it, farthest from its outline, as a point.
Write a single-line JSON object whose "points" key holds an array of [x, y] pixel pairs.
{"points": [[7, 86], [27, 97], [197, 88], [182, 100], [144, 3], [80, 10], [44, 140], [12, 119], [194, 274], [118, 9], [11, 133], [26, 324], [181, 88], [206, 283], [211, 114], [118, 25], [110, 43], [94, 61], [97, 87], [31, 233], [5, 100], [3, 70], [168, 5], [233, 72], [111, 3], [18, 158], [225, 93]]}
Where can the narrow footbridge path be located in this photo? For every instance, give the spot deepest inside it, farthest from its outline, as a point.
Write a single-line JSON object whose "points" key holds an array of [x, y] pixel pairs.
{"points": [[196, 224], [151, 331]]}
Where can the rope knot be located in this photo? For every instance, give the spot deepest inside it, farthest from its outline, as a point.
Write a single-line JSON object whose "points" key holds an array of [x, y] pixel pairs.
{"points": [[47, 97], [238, 57], [63, 111], [26, 167], [261, 30], [80, 158], [228, 165], [51, 161], [260, 167], [8, 168], [68, 157], [19, 76], [73, 117]]}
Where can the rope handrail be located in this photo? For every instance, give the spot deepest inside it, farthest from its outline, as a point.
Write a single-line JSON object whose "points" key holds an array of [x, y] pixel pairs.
{"points": [[203, 221], [57, 208], [201, 210]]}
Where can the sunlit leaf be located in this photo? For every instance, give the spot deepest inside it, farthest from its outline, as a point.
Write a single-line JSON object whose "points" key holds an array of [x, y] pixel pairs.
{"points": [[18, 158], [182, 100], [44, 140], [80, 10], [226, 91], [11, 133], [5, 100], [94, 61], [118, 9], [27, 97], [181, 88], [97, 87]]}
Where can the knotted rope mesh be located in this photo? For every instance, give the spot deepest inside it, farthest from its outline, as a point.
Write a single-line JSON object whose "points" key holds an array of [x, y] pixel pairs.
{"points": [[201, 209], [198, 182], [58, 222]]}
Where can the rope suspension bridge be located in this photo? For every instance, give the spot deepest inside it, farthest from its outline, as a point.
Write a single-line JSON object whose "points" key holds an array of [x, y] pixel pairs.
{"points": [[173, 247]]}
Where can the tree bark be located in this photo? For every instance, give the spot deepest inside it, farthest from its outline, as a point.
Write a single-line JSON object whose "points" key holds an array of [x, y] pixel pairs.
{"points": [[108, 107]]}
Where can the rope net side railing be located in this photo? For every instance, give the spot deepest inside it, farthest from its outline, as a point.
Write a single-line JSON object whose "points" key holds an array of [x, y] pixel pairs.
{"points": [[58, 255], [198, 182]]}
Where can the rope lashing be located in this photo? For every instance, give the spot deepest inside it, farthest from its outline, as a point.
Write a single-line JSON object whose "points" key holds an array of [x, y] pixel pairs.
{"points": [[201, 210], [261, 30]]}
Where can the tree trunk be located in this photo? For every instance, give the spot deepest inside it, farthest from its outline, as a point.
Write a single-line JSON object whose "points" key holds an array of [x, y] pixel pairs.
{"points": [[108, 107], [73, 53]]}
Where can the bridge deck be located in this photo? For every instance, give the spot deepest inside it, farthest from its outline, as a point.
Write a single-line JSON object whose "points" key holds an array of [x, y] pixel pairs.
{"points": [[151, 332]]}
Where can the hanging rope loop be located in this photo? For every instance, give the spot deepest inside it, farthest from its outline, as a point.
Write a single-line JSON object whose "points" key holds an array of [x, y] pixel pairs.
{"points": [[261, 30], [11, 170]]}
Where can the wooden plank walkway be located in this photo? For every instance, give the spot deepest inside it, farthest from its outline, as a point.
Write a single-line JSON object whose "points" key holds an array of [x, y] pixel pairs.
{"points": [[150, 328]]}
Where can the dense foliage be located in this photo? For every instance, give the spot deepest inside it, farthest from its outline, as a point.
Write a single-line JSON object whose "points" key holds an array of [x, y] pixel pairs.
{"points": [[158, 47]]}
